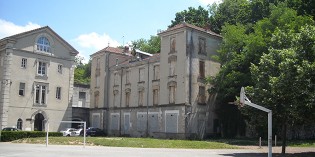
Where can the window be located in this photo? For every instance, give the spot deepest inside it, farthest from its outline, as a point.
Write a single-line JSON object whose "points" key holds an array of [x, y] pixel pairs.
{"points": [[58, 93], [116, 98], [22, 89], [127, 76], [202, 95], [155, 96], [141, 74], [19, 124], [172, 67], [24, 63], [127, 99], [172, 44], [43, 44], [116, 78], [41, 70], [96, 99], [60, 68], [40, 94], [156, 73], [172, 90], [201, 69], [97, 82], [202, 46], [140, 98]]}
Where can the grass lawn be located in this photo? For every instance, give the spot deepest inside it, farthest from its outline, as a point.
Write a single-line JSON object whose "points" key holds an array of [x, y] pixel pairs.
{"points": [[160, 143], [131, 142]]}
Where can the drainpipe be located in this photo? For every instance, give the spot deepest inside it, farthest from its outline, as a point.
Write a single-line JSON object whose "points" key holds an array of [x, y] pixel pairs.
{"points": [[148, 99]]}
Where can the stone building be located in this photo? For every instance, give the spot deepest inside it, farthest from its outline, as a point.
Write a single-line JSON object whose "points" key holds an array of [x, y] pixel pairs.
{"points": [[80, 104], [36, 80], [162, 96]]}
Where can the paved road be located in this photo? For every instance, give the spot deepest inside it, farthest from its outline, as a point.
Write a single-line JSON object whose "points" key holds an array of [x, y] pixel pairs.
{"points": [[38, 150]]}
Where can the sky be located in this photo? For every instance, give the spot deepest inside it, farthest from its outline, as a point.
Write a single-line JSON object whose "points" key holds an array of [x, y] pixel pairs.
{"points": [[90, 25]]}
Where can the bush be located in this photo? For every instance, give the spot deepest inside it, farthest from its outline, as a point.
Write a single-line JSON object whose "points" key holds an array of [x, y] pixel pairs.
{"points": [[14, 135]]}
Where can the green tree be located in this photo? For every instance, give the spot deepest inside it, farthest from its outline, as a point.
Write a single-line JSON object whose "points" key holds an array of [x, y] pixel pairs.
{"points": [[153, 45], [82, 73], [196, 16], [284, 79]]}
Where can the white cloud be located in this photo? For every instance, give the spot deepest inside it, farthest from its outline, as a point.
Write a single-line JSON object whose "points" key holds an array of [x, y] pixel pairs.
{"points": [[8, 28], [206, 2], [95, 41]]}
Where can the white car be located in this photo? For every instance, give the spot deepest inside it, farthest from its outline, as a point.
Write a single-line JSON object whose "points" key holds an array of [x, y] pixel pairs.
{"points": [[68, 132], [77, 132]]}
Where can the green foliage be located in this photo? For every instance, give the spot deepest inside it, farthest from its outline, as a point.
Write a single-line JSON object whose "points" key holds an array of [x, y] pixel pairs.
{"points": [[14, 135], [153, 45], [82, 73], [196, 16]]}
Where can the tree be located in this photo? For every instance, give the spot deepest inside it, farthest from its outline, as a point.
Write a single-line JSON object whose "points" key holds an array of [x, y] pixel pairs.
{"points": [[153, 45], [82, 73], [196, 16], [284, 79]]}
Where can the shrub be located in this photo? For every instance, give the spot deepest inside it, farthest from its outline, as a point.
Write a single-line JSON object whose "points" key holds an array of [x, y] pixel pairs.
{"points": [[14, 135]]}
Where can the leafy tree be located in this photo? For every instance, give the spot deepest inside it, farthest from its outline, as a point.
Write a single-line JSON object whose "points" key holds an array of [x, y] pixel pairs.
{"points": [[196, 16], [153, 45], [284, 79], [82, 73]]}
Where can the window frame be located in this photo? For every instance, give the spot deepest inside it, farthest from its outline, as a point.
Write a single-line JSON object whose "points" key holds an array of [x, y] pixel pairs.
{"points": [[24, 63], [43, 44], [22, 90], [202, 69], [42, 69], [58, 93], [60, 68], [41, 94], [202, 46]]}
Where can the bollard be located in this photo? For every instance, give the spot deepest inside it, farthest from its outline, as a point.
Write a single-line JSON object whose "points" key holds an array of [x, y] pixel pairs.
{"points": [[259, 142]]}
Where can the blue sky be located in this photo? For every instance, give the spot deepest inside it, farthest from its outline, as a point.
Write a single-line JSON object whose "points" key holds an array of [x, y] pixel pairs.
{"points": [[90, 25]]}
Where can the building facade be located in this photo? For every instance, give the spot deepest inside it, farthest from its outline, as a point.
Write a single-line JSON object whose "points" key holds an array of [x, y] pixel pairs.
{"points": [[36, 74], [162, 96]]}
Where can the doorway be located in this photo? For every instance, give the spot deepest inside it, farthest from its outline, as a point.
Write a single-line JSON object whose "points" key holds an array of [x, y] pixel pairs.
{"points": [[39, 124]]}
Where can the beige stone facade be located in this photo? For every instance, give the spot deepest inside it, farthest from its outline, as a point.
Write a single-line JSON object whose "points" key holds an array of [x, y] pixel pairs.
{"points": [[36, 74], [162, 96]]}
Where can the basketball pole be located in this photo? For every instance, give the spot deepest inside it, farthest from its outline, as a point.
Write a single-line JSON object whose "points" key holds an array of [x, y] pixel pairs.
{"points": [[245, 100]]}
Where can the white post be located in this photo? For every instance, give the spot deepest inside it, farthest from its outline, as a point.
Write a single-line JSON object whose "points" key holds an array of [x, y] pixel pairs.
{"points": [[259, 142], [47, 132], [270, 133], [84, 131], [275, 140]]}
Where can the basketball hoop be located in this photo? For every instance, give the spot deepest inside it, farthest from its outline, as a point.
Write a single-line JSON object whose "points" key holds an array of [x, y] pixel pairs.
{"points": [[242, 97]]}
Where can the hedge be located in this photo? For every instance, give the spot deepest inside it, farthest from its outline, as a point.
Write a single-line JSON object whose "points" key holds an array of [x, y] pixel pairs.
{"points": [[14, 135]]}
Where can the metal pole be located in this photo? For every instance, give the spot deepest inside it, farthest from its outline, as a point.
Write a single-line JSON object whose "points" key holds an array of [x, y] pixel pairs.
{"points": [[47, 131], [275, 140], [84, 131], [270, 133], [259, 142]]}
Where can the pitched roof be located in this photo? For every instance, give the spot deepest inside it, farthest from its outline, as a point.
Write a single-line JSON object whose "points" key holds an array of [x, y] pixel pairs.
{"points": [[74, 51], [184, 24], [112, 50]]}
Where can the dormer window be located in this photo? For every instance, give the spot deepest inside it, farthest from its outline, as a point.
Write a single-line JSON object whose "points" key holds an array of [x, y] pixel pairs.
{"points": [[43, 44]]}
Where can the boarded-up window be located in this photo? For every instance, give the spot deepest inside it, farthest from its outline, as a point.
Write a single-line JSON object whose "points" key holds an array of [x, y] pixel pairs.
{"points": [[155, 96], [153, 122], [114, 125], [171, 122], [96, 99], [172, 90], [126, 123], [202, 95], [97, 81], [127, 99], [140, 97], [202, 46], [127, 76], [96, 120], [201, 69], [141, 121], [172, 65], [156, 72], [172, 44], [141, 74], [116, 98]]}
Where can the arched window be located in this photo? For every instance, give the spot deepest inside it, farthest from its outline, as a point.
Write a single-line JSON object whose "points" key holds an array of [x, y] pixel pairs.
{"points": [[19, 124], [43, 44]]}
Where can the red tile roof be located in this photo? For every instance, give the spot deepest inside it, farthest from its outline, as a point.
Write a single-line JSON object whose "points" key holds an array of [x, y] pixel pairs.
{"points": [[112, 50], [184, 24]]}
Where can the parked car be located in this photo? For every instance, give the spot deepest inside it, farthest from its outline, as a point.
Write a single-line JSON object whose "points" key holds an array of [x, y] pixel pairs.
{"points": [[67, 131], [10, 129], [94, 132], [77, 132]]}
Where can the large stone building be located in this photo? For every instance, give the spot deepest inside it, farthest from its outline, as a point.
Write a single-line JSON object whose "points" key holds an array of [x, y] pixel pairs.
{"points": [[36, 80], [164, 95]]}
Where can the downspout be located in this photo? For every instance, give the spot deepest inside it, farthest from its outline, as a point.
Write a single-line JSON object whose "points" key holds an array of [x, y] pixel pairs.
{"points": [[120, 116], [190, 62], [107, 76], [148, 98]]}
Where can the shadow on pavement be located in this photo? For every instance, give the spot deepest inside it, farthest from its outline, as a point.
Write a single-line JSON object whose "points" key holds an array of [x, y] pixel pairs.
{"points": [[304, 154]]}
